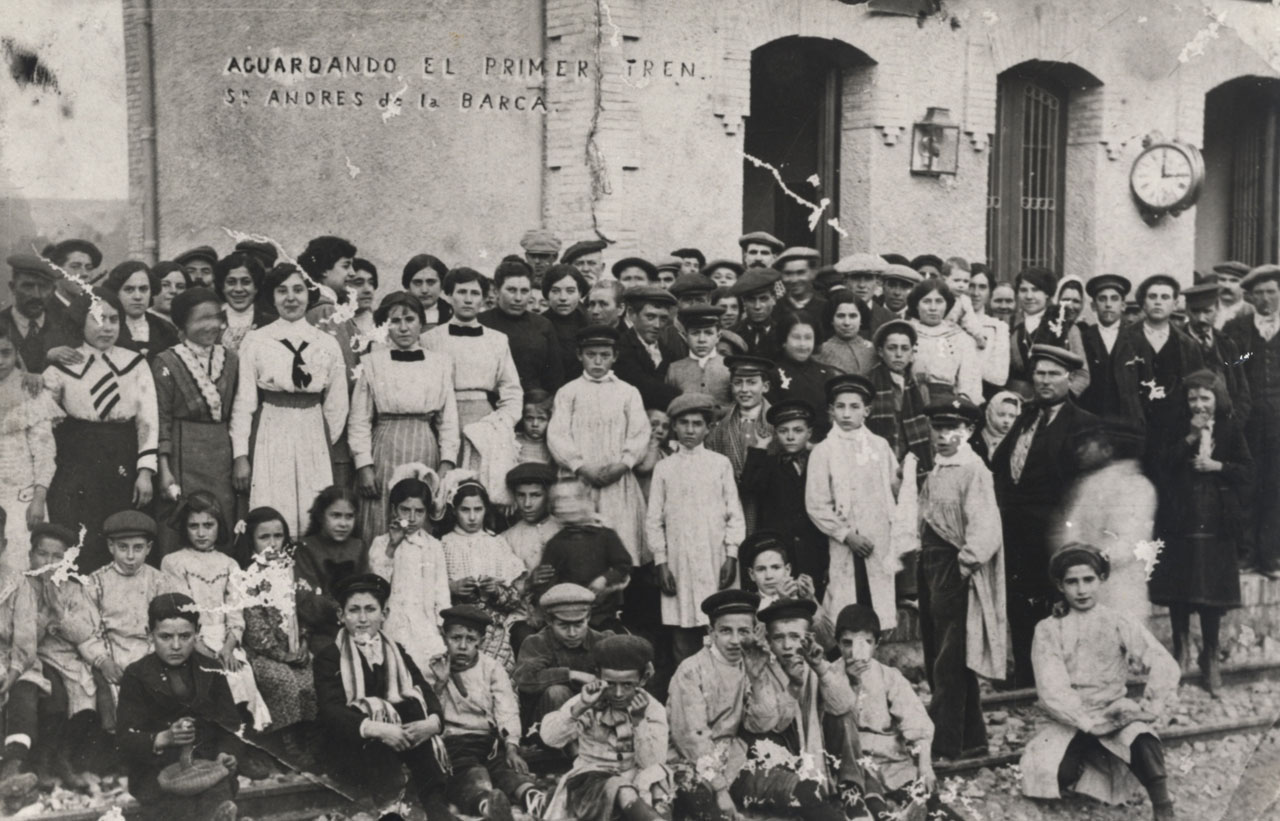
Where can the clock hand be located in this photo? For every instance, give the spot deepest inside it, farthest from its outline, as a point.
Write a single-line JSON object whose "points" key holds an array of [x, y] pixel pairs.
{"points": [[1164, 160]]}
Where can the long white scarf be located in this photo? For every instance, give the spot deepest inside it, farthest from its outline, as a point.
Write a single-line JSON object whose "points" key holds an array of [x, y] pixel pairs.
{"points": [[205, 382], [400, 686]]}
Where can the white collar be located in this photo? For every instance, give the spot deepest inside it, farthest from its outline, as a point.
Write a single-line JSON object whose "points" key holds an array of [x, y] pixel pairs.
{"points": [[702, 361], [1032, 321], [963, 456], [856, 435]]}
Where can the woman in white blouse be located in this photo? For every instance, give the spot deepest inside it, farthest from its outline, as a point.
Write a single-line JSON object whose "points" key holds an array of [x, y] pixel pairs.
{"points": [[946, 356], [107, 444], [402, 410], [293, 376]]}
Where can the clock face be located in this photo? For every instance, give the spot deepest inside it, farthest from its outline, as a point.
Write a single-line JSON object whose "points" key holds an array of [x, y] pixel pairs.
{"points": [[1163, 177]]}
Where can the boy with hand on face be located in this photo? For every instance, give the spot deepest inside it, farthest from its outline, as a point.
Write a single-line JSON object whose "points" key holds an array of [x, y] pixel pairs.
{"points": [[119, 594], [1095, 740], [557, 661], [774, 482], [172, 698], [621, 737], [481, 723], [767, 560], [694, 523]]}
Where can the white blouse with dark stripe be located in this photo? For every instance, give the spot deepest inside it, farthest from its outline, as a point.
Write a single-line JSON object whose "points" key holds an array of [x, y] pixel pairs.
{"points": [[109, 386]]}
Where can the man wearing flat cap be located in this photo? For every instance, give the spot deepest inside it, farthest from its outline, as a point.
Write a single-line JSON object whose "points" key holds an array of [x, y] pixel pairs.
{"points": [[556, 661], [1257, 336], [642, 361], [30, 325], [587, 257], [757, 288], [799, 266], [1107, 293], [1231, 301], [1152, 358], [541, 247], [759, 248], [692, 260], [1220, 352], [1033, 467], [897, 284], [198, 263], [863, 271]]}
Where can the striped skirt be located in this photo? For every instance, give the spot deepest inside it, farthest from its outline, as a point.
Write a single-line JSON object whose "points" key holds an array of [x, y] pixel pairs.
{"points": [[398, 439]]}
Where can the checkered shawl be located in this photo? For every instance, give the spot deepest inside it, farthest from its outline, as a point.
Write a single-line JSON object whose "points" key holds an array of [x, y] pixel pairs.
{"points": [[883, 418]]}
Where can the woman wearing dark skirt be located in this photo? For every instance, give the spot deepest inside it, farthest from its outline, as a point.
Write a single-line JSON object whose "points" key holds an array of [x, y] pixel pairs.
{"points": [[107, 443], [1199, 519], [195, 385]]}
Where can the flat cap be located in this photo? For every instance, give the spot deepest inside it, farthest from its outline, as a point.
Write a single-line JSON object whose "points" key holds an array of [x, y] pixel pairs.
{"points": [[1097, 284], [531, 473], [129, 523], [32, 264], [691, 253], [903, 273], [931, 260], [669, 263], [622, 652], [596, 335], [650, 270], [755, 280], [850, 383], [895, 325], [692, 284], [370, 583], [797, 252], [1042, 278], [569, 601], [642, 294], [760, 238], [1202, 295], [954, 411], [49, 530], [1062, 356], [861, 263], [1259, 275], [1157, 279], [789, 609], [732, 265], [693, 402], [788, 410], [735, 341], [204, 252], [84, 246], [466, 614], [745, 365], [540, 241], [1232, 268], [581, 249], [729, 602], [701, 316]]}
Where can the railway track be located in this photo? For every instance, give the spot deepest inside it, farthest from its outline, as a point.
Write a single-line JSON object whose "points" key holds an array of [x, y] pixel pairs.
{"points": [[299, 801]]}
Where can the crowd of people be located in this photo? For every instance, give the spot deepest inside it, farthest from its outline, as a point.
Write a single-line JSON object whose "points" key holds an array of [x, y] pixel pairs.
{"points": [[658, 515]]}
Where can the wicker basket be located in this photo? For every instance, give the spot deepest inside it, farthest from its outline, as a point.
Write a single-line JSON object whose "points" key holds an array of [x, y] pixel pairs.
{"points": [[190, 776]]}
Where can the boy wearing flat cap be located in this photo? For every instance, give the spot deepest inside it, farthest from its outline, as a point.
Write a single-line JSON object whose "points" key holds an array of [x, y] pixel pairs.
{"points": [[961, 580], [774, 482], [694, 523], [747, 424], [1095, 740], [1151, 359], [713, 711], [1107, 293], [556, 661], [758, 290], [118, 595], [621, 737], [703, 370], [171, 698], [481, 723]]}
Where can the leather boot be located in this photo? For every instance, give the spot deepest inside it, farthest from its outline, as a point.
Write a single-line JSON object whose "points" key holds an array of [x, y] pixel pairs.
{"points": [[1181, 649], [496, 807], [1209, 666], [13, 781], [42, 763], [1164, 812]]}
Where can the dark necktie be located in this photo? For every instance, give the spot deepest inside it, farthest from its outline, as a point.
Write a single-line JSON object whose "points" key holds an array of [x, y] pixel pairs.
{"points": [[465, 330], [407, 356], [301, 378], [105, 392]]}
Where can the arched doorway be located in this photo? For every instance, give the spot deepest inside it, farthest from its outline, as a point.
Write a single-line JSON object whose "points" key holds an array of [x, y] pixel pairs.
{"points": [[1026, 190], [794, 126], [1238, 216]]}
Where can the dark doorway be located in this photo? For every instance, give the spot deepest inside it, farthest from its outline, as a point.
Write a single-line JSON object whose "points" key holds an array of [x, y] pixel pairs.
{"points": [[794, 126]]}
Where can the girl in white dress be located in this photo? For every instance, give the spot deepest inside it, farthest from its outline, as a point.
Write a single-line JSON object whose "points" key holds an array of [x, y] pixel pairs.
{"points": [[413, 561], [205, 573], [295, 373]]}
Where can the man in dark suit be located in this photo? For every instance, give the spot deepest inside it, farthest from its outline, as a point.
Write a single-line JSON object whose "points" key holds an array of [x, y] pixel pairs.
{"points": [[1107, 292], [641, 359], [1033, 467], [28, 322], [1221, 355], [862, 272], [757, 288], [169, 699]]}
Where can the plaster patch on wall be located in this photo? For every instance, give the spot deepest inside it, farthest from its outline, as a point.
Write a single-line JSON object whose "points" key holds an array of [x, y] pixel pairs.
{"points": [[1200, 40], [615, 37], [352, 168]]}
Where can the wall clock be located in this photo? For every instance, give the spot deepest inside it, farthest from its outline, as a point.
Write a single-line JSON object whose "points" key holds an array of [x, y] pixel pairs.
{"points": [[1166, 177]]}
